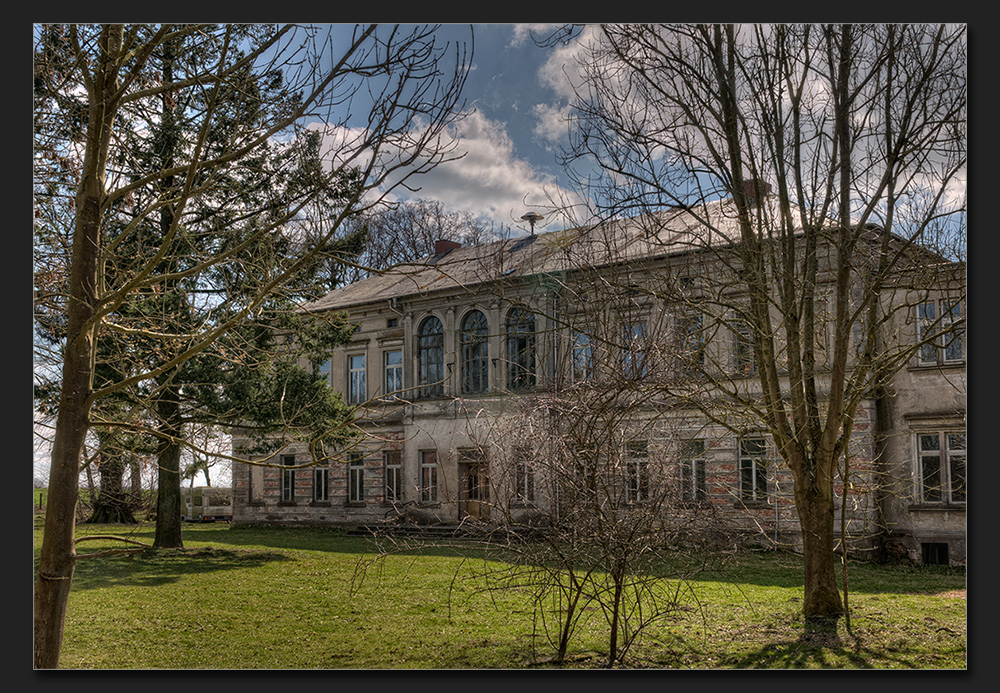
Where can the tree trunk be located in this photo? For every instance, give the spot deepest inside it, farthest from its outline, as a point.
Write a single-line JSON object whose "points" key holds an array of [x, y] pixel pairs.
{"points": [[135, 491], [57, 558], [168, 495], [821, 596], [112, 504]]}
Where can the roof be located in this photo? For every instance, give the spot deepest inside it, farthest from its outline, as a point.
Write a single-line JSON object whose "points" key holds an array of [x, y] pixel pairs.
{"points": [[675, 230]]}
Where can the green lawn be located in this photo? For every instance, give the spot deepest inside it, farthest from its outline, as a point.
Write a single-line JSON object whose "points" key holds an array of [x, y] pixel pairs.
{"points": [[306, 598]]}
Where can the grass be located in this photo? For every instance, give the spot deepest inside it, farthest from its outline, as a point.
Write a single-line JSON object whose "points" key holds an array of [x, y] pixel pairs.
{"points": [[303, 598]]}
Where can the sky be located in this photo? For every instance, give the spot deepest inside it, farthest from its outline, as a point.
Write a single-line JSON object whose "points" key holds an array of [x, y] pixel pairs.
{"points": [[517, 95]]}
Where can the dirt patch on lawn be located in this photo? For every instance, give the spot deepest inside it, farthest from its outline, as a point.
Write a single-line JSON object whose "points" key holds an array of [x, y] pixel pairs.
{"points": [[953, 594]]}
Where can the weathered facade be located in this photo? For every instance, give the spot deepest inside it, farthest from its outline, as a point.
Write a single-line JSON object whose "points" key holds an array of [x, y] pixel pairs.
{"points": [[459, 363]]}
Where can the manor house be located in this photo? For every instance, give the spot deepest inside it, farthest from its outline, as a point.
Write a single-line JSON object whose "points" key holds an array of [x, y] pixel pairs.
{"points": [[468, 363]]}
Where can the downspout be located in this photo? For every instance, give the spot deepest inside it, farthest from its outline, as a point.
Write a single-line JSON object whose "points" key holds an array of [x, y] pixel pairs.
{"points": [[393, 306]]}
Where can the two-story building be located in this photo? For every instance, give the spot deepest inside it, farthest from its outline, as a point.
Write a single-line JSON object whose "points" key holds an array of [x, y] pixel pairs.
{"points": [[454, 356]]}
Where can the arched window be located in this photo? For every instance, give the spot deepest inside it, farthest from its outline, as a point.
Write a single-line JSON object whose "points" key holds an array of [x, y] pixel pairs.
{"points": [[430, 357], [475, 353], [520, 349]]}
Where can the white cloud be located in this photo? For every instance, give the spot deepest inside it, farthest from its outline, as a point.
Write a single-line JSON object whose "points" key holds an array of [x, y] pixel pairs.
{"points": [[489, 179], [484, 176]]}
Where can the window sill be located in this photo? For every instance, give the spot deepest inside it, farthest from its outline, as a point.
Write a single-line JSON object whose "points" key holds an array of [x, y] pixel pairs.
{"points": [[925, 367], [290, 504], [751, 505], [355, 504], [319, 504], [936, 507]]}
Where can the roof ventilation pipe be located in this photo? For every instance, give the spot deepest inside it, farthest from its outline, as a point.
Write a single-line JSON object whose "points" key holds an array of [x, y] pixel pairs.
{"points": [[531, 218]]}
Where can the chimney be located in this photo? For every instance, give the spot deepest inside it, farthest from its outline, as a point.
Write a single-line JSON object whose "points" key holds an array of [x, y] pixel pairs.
{"points": [[755, 189], [442, 246]]}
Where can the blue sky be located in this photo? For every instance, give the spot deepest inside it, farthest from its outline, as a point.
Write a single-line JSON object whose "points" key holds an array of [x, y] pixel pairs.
{"points": [[516, 95]]}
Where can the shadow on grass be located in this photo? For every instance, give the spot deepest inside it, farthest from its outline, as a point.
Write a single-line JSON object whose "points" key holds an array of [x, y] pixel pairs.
{"points": [[820, 646], [784, 569], [336, 541], [154, 567]]}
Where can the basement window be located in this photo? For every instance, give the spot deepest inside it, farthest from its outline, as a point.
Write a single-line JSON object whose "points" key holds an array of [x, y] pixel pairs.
{"points": [[934, 553]]}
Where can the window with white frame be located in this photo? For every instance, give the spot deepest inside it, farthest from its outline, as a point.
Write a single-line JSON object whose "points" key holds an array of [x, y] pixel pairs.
{"points": [[393, 460], [520, 349], [393, 361], [356, 378], [582, 367], [691, 337], [475, 361], [428, 476], [321, 483], [636, 471], [941, 466], [753, 470], [743, 349], [355, 478], [635, 353], [936, 323], [324, 370], [524, 481], [692, 464], [430, 357], [287, 479]]}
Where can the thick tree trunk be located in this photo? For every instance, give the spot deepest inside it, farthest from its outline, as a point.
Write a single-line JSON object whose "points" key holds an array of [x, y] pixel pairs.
{"points": [[57, 558], [168, 496], [113, 503], [821, 596]]}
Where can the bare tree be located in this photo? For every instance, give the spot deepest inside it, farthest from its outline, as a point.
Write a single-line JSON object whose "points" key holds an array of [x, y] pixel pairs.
{"points": [[383, 94], [843, 151], [406, 232]]}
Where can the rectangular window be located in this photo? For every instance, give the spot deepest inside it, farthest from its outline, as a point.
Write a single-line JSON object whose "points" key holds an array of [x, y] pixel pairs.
{"points": [[520, 349], [355, 478], [583, 357], [256, 484], [936, 322], [393, 475], [321, 483], [324, 370], [635, 358], [746, 364], [288, 479], [428, 476], [693, 487], [356, 385], [925, 322], [942, 462], [753, 470], [951, 312], [636, 471], [524, 482], [690, 334], [393, 371]]}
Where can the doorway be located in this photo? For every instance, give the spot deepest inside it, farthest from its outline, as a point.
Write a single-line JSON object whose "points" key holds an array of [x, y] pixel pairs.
{"points": [[473, 477]]}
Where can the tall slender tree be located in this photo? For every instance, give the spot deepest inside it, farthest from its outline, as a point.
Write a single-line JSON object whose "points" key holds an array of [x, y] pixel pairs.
{"points": [[176, 153]]}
